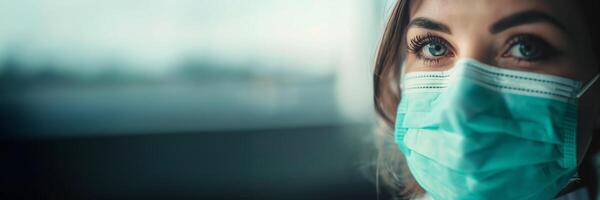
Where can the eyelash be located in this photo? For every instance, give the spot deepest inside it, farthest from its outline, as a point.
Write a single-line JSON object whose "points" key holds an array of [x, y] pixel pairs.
{"points": [[418, 42], [416, 45], [546, 49]]}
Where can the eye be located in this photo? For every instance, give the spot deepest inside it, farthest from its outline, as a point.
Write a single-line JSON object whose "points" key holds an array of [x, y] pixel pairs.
{"points": [[434, 49], [429, 48], [528, 48], [524, 51]]}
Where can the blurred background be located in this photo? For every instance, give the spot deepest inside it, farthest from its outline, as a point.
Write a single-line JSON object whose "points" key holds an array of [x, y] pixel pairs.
{"points": [[187, 99]]}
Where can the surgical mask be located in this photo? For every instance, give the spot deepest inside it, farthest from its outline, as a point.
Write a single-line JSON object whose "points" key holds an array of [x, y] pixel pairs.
{"points": [[483, 132]]}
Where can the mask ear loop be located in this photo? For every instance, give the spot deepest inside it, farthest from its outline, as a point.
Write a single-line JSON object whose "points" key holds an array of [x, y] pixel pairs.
{"points": [[575, 178], [588, 86]]}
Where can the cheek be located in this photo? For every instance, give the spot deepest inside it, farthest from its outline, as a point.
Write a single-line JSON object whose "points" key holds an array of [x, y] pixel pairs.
{"points": [[412, 64], [409, 65], [587, 108], [579, 63], [585, 124]]}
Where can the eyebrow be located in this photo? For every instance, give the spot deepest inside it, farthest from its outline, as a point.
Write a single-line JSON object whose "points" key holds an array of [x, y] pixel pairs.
{"points": [[428, 24], [521, 18], [525, 17]]}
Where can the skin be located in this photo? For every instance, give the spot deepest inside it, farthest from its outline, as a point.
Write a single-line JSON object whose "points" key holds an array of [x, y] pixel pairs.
{"points": [[468, 35]]}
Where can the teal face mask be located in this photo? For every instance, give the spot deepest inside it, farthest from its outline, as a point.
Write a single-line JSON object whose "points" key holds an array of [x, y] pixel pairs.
{"points": [[482, 132]]}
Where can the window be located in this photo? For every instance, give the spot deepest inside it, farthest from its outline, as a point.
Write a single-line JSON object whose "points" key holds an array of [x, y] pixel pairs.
{"points": [[72, 67]]}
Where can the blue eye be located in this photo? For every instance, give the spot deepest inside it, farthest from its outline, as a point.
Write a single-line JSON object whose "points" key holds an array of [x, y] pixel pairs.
{"points": [[529, 48], [525, 51], [430, 48], [434, 49]]}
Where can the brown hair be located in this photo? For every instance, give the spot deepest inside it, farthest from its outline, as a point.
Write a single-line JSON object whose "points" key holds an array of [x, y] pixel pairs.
{"points": [[392, 171], [391, 168]]}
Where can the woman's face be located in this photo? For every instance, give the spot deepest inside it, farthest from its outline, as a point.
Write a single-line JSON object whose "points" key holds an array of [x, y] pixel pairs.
{"points": [[543, 36]]}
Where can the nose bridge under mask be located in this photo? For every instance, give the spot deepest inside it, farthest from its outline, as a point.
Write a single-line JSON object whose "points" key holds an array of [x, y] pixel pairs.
{"points": [[579, 88]]}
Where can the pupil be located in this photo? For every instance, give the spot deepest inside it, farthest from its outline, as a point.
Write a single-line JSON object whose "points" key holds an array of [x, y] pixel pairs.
{"points": [[527, 50], [436, 50]]}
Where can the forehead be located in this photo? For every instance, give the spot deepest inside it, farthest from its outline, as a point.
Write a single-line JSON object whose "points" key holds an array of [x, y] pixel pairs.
{"points": [[482, 12]]}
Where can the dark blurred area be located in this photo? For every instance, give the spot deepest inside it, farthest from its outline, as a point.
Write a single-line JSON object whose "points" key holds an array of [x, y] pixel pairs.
{"points": [[303, 163], [187, 99]]}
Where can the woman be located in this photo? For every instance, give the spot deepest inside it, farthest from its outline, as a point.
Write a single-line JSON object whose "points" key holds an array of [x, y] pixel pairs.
{"points": [[489, 99]]}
